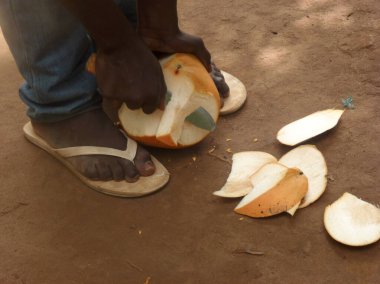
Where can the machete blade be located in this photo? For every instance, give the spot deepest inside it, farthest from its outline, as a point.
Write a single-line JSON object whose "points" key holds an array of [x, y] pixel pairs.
{"points": [[199, 118]]}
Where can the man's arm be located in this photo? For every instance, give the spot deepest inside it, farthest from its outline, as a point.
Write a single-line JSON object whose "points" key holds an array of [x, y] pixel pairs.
{"points": [[160, 16], [103, 20], [158, 26]]}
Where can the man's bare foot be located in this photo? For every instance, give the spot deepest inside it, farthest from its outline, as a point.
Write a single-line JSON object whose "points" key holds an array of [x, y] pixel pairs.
{"points": [[220, 83], [94, 128]]}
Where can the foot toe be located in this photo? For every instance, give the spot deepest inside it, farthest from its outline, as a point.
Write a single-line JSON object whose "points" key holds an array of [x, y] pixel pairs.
{"points": [[144, 163], [221, 85], [86, 166], [104, 170], [130, 172], [117, 170], [89, 170]]}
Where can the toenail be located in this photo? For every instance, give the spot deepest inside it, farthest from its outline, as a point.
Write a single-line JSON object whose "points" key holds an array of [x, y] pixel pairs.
{"points": [[149, 165]]}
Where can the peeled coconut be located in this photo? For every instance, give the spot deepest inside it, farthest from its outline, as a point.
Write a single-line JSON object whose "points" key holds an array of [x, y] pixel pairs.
{"points": [[309, 126], [352, 221], [312, 163], [244, 165], [192, 91], [276, 189], [191, 87]]}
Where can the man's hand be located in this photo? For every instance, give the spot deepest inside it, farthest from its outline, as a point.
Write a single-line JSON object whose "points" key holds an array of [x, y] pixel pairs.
{"points": [[132, 75], [126, 69], [177, 42]]}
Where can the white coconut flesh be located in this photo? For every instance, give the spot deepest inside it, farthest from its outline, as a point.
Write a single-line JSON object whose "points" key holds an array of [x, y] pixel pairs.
{"points": [[309, 126], [276, 189], [352, 221], [311, 162], [244, 165], [170, 123], [185, 101], [293, 210]]}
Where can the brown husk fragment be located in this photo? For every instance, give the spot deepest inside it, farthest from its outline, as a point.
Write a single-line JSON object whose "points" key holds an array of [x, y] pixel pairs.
{"points": [[283, 196]]}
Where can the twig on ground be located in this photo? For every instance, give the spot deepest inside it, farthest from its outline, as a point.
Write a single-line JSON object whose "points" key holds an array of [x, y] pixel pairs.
{"points": [[330, 178], [134, 265], [220, 158], [248, 251], [13, 208]]}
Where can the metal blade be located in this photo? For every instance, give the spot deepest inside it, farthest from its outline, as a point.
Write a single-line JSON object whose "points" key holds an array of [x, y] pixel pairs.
{"points": [[199, 118]]}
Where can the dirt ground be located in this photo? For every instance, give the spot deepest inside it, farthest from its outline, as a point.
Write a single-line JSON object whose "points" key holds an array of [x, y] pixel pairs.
{"points": [[295, 57]]}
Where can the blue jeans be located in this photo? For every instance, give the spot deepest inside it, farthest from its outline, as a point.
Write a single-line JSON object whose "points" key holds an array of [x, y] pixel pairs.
{"points": [[51, 47]]}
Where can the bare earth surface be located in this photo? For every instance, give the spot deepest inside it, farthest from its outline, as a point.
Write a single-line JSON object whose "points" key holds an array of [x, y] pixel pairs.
{"points": [[295, 57]]}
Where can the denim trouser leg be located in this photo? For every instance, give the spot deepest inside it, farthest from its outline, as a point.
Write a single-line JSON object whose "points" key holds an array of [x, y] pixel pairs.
{"points": [[50, 48]]}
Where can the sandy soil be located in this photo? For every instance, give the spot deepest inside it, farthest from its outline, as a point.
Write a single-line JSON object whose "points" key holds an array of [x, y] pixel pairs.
{"points": [[295, 57]]}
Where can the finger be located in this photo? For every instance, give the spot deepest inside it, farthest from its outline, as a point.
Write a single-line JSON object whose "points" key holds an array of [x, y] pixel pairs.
{"points": [[163, 92], [148, 109], [159, 101], [223, 89], [216, 72], [133, 105], [221, 85], [214, 68]]}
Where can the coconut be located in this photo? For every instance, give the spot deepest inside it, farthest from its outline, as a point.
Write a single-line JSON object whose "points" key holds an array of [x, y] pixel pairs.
{"points": [[312, 163], [191, 112], [244, 165], [309, 126], [352, 221], [191, 88], [276, 189]]}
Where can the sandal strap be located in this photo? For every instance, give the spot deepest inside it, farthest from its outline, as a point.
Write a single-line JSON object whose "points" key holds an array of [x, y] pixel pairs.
{"points": [[129, 153]]}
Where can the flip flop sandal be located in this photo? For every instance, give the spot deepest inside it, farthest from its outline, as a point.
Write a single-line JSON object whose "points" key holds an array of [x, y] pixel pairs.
{"points": [[237, 97], [144, 185]]}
